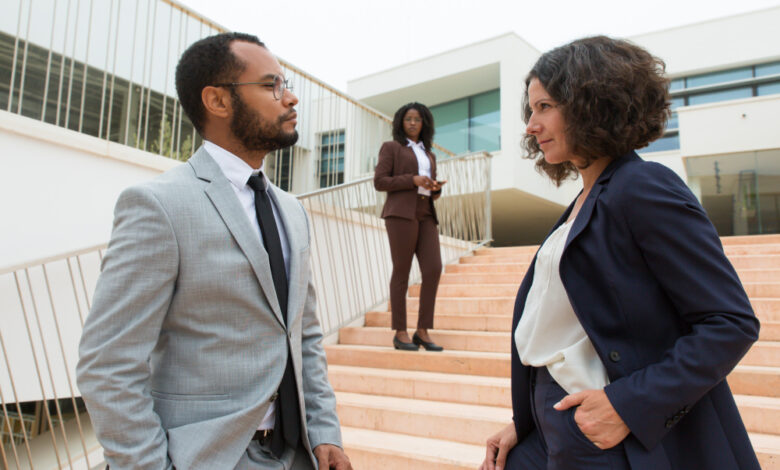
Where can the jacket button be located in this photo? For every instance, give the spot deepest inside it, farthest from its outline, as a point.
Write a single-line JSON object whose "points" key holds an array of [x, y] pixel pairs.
{"points": [[614, 356], [273, 397], [669, 423]]}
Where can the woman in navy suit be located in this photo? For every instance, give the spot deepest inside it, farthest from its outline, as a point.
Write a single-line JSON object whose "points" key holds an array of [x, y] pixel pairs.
{"points": [[630, 316]]}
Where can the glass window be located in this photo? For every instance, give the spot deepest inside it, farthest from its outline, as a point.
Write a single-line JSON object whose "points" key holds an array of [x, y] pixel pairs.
{"points": [[720, 77], [725, 95], [452, 125], [667, 142], [768, 69], [485, 121], [768, 89], [673, 122], [331, 165], [677, 84], [740, 192]]}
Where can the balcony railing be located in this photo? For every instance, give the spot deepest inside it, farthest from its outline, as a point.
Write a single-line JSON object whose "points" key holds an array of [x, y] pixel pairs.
{"points": [[43, 305], [106, 68]]}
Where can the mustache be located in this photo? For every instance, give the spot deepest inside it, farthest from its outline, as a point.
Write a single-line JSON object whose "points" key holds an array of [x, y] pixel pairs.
{"points": [[287, 115]]}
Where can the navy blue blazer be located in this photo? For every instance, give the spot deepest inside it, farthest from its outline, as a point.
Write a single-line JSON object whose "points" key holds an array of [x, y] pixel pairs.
{"points": [[645, 272]]}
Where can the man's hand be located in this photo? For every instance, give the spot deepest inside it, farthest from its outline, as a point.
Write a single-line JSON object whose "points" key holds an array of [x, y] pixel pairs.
{"points": [[596, 417], [330, 456], [498, 446]]}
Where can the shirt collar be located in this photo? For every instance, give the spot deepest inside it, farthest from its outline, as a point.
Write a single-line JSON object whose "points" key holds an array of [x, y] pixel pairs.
{"points": [[411, 143], [236, 170]]}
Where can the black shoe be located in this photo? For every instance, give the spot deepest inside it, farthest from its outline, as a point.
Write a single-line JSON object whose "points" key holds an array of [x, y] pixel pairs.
{"points": [[428, 346], [398, 344]]}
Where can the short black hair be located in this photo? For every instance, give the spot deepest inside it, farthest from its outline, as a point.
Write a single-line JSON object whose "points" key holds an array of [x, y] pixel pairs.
{"points": [[614, 96], [207, 62], [426, 134]]}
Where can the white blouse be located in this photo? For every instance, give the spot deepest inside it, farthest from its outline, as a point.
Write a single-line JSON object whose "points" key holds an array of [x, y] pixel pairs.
{"points": [[549, 332], [423, 163]]}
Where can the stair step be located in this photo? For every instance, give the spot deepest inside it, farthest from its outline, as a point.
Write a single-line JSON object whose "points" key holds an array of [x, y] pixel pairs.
{"points": [[450, 339], [760, 414], [477, 322], [767, 447], [761, 289], [454, 388], [472, 305], [506, 250], [759, 275], [472, 290], [475, 268], [449, 362], [470, 424], [487, 278], [770, 331], [755, 380], [752, 249], [379, 450], [497, 259], [755, 261], [766, 308], [763, 353], [390, 451], [750, 239]]}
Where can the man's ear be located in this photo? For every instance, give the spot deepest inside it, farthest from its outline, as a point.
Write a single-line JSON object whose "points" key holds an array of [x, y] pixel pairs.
{"points": [[217, 101]]}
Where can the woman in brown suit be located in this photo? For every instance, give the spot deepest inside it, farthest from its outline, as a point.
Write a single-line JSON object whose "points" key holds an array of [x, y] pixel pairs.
{"points": [[407, 171]]}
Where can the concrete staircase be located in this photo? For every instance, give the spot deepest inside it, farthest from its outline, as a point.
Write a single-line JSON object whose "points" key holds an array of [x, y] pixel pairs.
{"points": [[426, 410]]}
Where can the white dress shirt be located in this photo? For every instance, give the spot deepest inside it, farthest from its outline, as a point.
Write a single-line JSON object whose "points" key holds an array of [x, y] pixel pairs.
{"points": [[237, 171], [549, 332], [423, 163]]}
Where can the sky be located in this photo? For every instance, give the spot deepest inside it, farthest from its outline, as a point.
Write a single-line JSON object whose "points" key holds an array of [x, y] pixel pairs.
{"points": [[340, 40]]}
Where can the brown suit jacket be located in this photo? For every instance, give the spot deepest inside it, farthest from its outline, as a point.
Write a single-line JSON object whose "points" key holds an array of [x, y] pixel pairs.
{"points": [[394, 173]]}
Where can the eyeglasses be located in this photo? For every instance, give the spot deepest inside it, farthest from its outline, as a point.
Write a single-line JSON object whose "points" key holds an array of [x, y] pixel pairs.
{"points": [[279, 85]]}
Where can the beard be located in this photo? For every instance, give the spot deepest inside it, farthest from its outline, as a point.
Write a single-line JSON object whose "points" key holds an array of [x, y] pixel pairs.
{"points": [[257, 134]]}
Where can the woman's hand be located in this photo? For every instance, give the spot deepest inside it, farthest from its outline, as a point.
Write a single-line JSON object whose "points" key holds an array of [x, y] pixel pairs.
{"points": [[498, 446], [596, 417], [425, 182]]}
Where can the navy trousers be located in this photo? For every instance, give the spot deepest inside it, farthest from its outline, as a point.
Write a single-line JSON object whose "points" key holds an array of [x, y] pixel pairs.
{"points": [[557, 442]]}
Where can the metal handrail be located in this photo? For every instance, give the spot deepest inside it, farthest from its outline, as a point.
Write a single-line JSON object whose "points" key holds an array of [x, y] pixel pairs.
{"points": [[45, 301]]}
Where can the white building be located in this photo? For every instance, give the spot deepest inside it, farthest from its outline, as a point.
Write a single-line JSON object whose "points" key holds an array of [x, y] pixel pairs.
{"points": [[723, 139]]}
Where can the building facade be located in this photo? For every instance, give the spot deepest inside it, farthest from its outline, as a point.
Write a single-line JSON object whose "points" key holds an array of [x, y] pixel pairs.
{"points": [[723, 137]]}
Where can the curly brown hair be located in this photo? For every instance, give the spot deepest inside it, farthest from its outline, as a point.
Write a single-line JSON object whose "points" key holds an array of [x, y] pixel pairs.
{"points": [[614, 97]]}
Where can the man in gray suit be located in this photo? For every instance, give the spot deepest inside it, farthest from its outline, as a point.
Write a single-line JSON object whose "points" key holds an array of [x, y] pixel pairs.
{"points": [[202, 349]]}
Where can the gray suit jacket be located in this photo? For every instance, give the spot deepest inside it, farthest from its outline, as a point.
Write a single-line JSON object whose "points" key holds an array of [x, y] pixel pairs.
{"points": [[185, 344]]}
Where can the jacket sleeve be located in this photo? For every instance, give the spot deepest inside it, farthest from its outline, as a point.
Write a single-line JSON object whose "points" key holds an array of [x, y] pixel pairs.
{"points": [[384, 177], [131, 299], [321, 419], [683, 252]]}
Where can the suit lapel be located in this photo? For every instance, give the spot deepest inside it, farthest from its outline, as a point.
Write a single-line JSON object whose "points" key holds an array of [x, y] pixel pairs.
{"points": [[586, 211], [221, 194], [409, 154]]}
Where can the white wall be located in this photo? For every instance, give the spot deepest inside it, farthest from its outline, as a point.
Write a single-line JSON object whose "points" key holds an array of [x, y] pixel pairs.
{"points": [[59, 187], [716, 44], [730, 127]]}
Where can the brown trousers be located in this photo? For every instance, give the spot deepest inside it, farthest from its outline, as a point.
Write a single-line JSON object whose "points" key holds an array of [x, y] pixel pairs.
{"points": [[407, 239]]}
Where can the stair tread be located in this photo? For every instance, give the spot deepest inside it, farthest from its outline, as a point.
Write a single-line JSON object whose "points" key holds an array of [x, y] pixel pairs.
{"points": [[390, 350], [756, 400], [426, 407], [496, 334], [765, 442], [436, 450], [441, 377]]}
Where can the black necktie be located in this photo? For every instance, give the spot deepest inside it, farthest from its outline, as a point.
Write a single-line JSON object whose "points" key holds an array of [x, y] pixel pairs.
{"points": [[287, 420]]}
